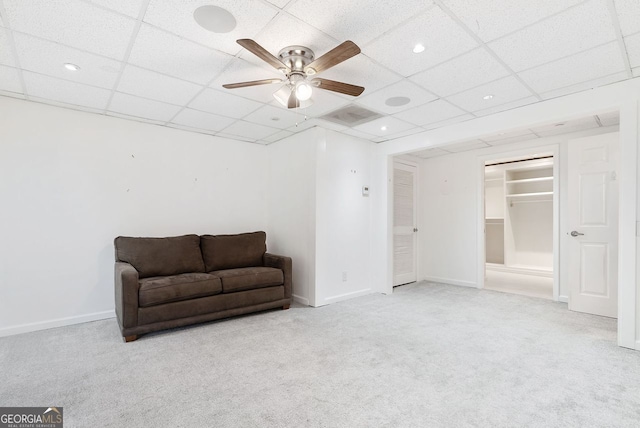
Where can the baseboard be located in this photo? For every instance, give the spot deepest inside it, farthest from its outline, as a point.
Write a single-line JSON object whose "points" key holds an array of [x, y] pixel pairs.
{"points": [[300, 299], [563, 299], [450, 281], [346, 296], [60, 322], [638, 345], [519, 270]]}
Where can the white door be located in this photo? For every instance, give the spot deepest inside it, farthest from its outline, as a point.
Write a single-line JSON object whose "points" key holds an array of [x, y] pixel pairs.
{"points": [[592, 237], [404, 223]]}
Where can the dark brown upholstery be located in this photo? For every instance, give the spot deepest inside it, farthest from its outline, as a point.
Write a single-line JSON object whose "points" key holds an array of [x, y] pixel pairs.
{"points": [[243, 279], [166, 289], [233, 251], [161, 256]]}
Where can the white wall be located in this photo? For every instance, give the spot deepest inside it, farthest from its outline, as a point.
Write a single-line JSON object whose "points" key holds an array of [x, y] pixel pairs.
{"points": [[70, 182]]}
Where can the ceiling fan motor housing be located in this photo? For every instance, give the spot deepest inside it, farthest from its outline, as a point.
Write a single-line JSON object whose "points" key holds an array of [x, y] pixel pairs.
{"points": [[296, 58]]}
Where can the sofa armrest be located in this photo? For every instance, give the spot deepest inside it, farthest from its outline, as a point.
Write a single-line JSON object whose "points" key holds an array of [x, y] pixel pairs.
{"points": [[126, 293], [283, 263]]}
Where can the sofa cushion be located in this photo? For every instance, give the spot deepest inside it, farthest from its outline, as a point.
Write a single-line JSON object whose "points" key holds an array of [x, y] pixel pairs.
{"points": [[161, 256], [250, 278], [166, 289], [233, 251]]}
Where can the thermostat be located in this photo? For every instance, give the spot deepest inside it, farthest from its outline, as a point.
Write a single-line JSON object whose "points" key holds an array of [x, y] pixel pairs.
{"points": [[365, 190]]}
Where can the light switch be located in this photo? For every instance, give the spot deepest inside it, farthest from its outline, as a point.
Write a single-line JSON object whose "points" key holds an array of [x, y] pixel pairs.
{"points": [[365, 190]]}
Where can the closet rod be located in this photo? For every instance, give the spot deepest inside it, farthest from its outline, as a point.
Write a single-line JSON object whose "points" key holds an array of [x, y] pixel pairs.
{"points": [[521, 160]]}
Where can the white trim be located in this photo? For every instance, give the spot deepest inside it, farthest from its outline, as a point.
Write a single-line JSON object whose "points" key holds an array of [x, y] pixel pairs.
{"points": [[563, 299], [346, 296], [300, 299], [638, 345], [450, 281], [59, 322], [519, 270]]}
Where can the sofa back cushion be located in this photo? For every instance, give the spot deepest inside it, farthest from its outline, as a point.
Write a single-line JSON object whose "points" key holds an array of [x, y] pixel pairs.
{"points": [[161, 256], [233, 251]]}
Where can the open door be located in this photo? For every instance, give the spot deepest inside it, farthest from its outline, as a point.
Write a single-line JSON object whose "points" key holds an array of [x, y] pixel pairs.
{"points": [[404, 223], [593, 222]]}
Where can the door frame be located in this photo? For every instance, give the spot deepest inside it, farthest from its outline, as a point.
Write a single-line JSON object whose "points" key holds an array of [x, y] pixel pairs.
{"points": [[553, 149], [417, 210]]}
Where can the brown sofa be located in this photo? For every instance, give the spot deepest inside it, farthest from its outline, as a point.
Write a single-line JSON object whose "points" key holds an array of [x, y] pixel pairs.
{"points": [[163, 283]]}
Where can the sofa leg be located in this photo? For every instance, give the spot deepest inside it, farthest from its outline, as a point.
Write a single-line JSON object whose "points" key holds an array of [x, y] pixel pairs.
{"points": [[285, 307], [128, 339]]}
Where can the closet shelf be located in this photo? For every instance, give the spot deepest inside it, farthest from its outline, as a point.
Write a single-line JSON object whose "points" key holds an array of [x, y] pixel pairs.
{"points": [[530, 180], [529, 195]]}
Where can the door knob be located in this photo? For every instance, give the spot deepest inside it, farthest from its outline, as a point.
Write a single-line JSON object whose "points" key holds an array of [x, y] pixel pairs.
{"points": [[415, 229], [575, 233]]}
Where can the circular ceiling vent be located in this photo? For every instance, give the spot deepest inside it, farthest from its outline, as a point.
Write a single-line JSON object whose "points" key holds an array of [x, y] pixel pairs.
{"points": [[397, 101], [214, 19]]}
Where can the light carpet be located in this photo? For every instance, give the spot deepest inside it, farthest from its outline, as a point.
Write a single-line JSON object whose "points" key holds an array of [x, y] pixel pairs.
{"points": [[429, 355]]}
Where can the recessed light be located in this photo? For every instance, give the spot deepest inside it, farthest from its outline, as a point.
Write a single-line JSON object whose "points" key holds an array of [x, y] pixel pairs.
{"points": [[383, 128], [397, 101], [487, 97], [214, 19], [418, 48], [71, 67]]}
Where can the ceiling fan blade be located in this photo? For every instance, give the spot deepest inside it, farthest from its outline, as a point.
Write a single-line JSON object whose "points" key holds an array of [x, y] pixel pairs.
{"points": [[262, 53], [332, 85], [293, 100], [335, 56], [251, 83]]}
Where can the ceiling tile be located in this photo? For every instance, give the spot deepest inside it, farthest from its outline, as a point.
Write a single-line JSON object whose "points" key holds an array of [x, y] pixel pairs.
{"points": [[45, 57], [73, 23], [432, 112], [507, 106], [628, 15], [275, 117], [585, 66], [452, 121], [134, 118], [378, 100], [583, 86], [361, 71], [459, 74], [491, 19], [141, 107], [66, 105], [192, 129], [566, 126], [250, 130], [391, 125], [280, 3], [54, 89], [127, 7], [6, 52], [357, 20], [406, 133], [202, 120], [243, 71], [520, 133], [278, 136], [633, 49], [223, 103], [465, 146], [10, 79], [524, 137], [609, 119], [503, 91], [160, 51], [442, 38], [577, 29], [177, 17], [430, 153], [149, 84]]}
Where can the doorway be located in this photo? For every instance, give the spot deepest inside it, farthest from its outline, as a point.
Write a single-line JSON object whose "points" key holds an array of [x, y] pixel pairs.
{"points": [[404, 223]]}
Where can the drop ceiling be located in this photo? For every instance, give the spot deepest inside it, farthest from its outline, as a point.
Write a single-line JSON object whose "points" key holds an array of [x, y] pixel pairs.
{"points": [[148, 60]]}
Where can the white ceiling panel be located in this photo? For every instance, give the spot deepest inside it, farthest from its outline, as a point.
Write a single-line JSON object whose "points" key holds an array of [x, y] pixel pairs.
{"points": [[628, 15], [465, 146], [63, 91], [583, 86], [356, 20], [582, 67], [141, 107], [275, 117], [177, 17], [502, 91], [280, 3], [250, 130], [566, 126], [633, 49], [577, 29], [201, 120], [459, 74], [135, 118], [127, 7], [442, 38], [507, 106], [66, 105], [243, 71], [10, 79], [223, 103], [47, 57], [192, 129], [278, 136], [73, 23], [491, 19], [384, 126], [148, 84], [406, 133], [378, 100], [361, 71], [430, 153], [432, 112], [452, 121], [158, 50], [6, 53]]}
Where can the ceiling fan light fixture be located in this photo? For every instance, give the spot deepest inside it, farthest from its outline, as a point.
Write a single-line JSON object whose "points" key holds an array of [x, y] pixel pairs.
{"points": [[303, 90]]}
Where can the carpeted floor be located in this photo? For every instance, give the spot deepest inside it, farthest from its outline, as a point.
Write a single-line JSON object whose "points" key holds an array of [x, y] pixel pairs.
{"points": [[427, 356]]}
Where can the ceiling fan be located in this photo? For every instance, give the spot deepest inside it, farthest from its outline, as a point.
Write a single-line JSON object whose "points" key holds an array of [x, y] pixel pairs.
{"points": [[298, 63]]}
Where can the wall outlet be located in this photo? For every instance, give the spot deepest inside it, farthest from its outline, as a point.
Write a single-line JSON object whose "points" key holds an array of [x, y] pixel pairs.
{"points": [[344, 276]]}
